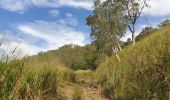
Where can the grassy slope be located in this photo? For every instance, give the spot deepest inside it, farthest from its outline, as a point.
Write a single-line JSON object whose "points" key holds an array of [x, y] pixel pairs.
{"points": [[41, 77], [33, 79], [143, 72]]}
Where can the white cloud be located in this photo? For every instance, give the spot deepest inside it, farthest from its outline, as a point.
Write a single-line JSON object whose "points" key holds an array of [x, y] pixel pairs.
{"points": [[54, 12], [86, 4], [158, 8], [55, 34], [16, 47], [14, 5], [22, 5], [69, 15], [71, 20], [37, 36]]}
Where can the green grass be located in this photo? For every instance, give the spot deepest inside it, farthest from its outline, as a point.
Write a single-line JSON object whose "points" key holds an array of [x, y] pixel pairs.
{"points": [[18, 81], [142, 73]]}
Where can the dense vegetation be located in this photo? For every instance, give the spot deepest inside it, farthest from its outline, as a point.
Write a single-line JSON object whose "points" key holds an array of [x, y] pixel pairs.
{"points": [[118, 69], [19, 81], [144, 74], [72, 56]]}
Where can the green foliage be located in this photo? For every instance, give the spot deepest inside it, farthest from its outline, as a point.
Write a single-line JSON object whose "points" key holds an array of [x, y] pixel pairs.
{"points": [[107, 25], [90, 56], [72, 56], [142, 73], [133, 10]]}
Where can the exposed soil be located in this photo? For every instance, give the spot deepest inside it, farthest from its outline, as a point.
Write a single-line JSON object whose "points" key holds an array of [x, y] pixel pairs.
{"points": [[89, 92]]}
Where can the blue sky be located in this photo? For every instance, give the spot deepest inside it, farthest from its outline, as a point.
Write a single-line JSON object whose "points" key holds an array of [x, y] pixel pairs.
{"points": [[41, 25]]}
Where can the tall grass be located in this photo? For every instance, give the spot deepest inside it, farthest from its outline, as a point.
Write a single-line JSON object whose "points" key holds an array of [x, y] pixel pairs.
{"points": [[20, 82], [32, 79], [144, 70]]}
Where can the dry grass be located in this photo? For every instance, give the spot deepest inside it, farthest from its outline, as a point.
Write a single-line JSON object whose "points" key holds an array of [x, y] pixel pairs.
{"points": [[143, 72], [26, 80]]}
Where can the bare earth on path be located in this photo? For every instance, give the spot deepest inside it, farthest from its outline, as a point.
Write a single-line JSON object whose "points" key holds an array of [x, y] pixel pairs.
{"points": [[89, 93]]}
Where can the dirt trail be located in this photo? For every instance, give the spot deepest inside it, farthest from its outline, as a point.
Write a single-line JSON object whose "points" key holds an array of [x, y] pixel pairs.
{"points": [[92, 93], [89, 93]]}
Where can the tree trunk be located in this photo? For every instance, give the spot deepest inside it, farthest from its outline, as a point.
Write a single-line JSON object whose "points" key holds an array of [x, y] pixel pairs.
{"points": [[115, 52], [133, 39], [120, 48], [118, 57], [132, 30]]}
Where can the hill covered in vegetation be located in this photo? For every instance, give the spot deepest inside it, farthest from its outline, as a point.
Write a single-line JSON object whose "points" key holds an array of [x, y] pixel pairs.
{"points": [[143, 72]]}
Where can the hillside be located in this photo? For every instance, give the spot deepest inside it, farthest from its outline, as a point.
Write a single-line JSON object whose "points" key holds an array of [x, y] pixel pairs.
{"points": [[71, 56], [84, 50], [143, 72]]}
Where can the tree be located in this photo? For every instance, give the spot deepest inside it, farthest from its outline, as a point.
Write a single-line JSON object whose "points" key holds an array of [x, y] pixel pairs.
{"points": [[128, 42], [164, 23], [134, 9], [107, 26], [145, 31], [90, 57], [70, 55]]}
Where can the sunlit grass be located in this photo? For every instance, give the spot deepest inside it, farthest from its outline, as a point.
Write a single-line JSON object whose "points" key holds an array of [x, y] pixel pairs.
{"points": [[30, 78], [143, 72]]}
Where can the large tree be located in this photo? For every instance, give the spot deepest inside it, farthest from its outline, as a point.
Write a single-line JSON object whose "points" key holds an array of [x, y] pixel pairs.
{"points": [[133, 9], [107, 26]]}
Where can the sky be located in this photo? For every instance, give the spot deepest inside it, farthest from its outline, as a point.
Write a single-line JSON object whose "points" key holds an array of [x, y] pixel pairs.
{"points": [[32, 26]]}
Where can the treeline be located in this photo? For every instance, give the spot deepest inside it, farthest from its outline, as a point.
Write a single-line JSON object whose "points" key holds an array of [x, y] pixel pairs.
{"points": [[73, 56], [89, 56], [109, 23]]}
